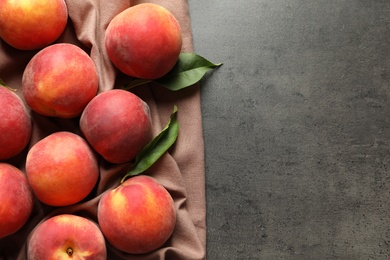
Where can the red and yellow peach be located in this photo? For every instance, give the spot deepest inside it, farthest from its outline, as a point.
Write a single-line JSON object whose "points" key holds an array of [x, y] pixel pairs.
{"points": [[138, 216], [16, 199], [60, 80], [67, 236], [144, 41], [15, 124], [32, 24], [117, 124], [62, 169]]}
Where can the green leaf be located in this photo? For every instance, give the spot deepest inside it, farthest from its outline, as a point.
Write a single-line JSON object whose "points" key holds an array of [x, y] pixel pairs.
{"points": [[135, 82], [2, 83], [155, 148], [189, 69]]}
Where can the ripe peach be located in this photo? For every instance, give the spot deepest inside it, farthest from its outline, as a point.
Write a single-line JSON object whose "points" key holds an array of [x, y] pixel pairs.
{"points": [[16, 199], [15, 124], [138, 216], [67, 236], [62, 169], [117, 124], [60, 80], [33, 24], [144, 41]]}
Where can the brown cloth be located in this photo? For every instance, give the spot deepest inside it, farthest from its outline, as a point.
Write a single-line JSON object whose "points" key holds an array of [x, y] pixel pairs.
{"points": [[181, 170]]}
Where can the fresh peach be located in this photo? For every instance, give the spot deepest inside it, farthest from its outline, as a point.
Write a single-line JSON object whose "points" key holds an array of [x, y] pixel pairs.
{"points": [[62, 169], [60, 80], [117, 124], [15, 124], [16, 199], [138, 216], [32, 24], [144, 41], [67, 236]]}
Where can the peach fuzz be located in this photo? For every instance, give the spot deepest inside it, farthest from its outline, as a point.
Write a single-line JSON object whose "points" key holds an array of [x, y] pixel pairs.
{"points": [[117, 124], [15, 124], [138, 216], [16, 199], [67, 236], [32, 24], [59, 81], [144, 41], [62, 169]]}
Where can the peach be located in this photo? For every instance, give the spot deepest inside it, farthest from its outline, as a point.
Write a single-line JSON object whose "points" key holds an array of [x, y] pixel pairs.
{"points": [[117, 124], [67, 236], [62, 169], [138, 216], [16, 199], [144, 41], [15, 124], [60, 80], [32, 24]]}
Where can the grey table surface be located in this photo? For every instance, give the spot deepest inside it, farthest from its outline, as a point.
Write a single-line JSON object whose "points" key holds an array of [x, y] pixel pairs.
{"points": [[296, 127]]}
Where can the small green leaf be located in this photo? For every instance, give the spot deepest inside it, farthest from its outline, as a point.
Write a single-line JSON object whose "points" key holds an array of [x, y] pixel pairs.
{"points": [[155, 148], [2, 83], [189, 69], [135, 82]]}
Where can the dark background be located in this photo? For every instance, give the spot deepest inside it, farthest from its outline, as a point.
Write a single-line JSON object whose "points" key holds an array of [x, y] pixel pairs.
{"points": [[296, 127]]}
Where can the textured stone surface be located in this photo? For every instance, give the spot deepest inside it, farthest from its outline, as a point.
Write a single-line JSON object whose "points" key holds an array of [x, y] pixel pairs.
{"points": [[297, 127]]}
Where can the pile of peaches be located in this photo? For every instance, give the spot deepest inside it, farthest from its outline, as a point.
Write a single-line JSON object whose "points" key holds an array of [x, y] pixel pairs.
{"points": [[144, 41]]}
